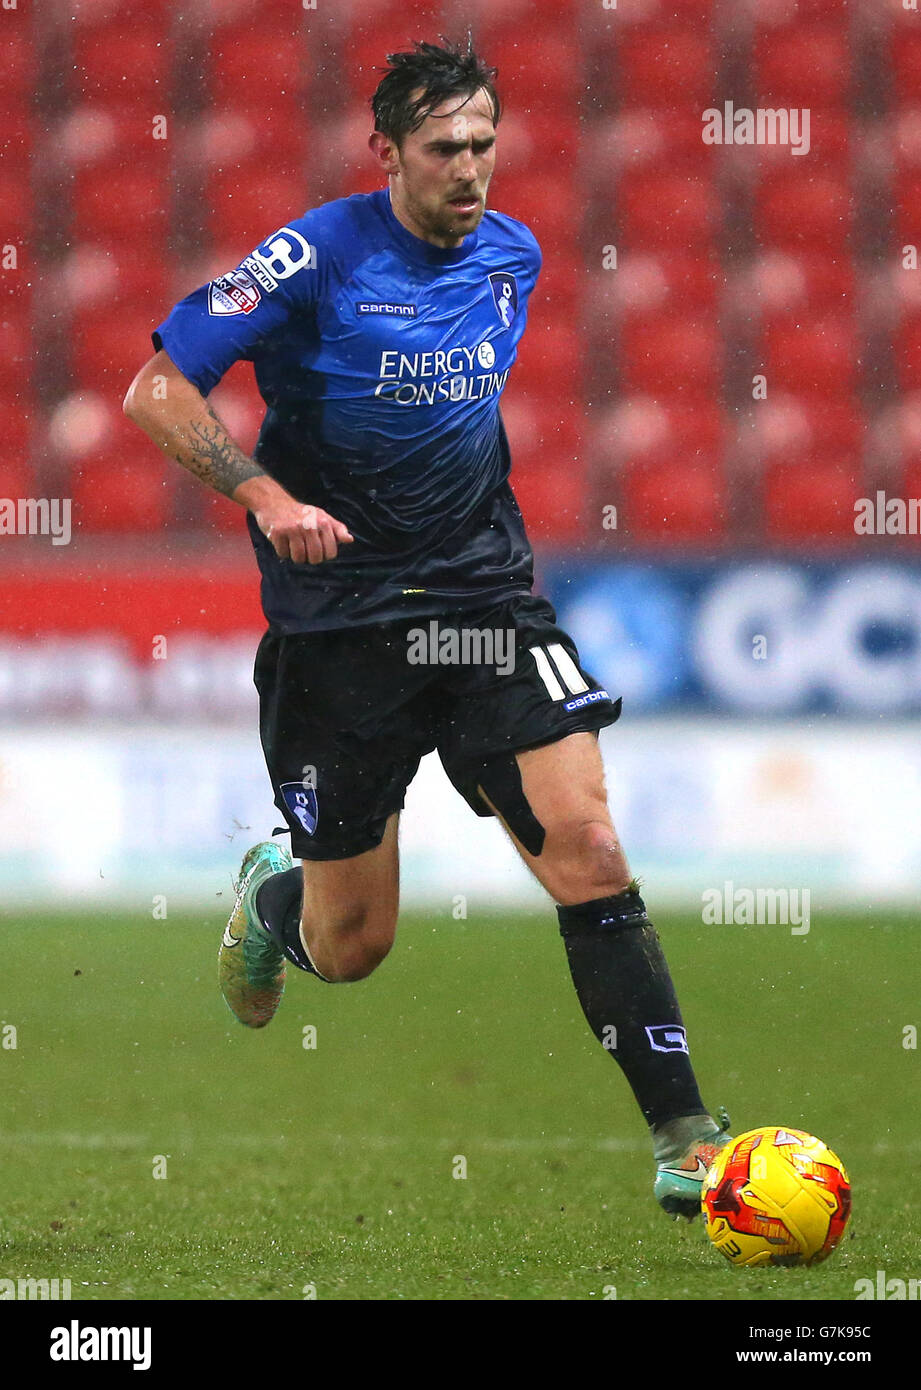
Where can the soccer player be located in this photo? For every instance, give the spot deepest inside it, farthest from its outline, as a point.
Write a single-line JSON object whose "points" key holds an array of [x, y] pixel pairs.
{"points": [[382, 329]]}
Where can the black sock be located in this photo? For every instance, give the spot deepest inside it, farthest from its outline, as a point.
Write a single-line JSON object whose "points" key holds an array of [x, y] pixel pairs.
{"points": [[278, 904], [628, 997]]}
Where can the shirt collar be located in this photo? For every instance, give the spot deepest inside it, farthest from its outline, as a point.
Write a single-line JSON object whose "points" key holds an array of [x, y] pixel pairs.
{"points": [[419, 249]]}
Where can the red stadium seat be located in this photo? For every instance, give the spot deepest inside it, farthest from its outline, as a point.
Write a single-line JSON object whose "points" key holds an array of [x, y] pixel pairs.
{"points": [[15, 341], [670, 352], [528, 140], [907, 206], [905, 62], [797, 282], [115, 14], [277, 15], [551, 493], [678, 502], [646, 282], [491, 18], [665, 210], [129, 63], [93, 133], [643, 430], [802, 208], [812, 355], [908, 352], [108, 349], [220, 516], [239, 405], [532, 61], [804, 65], [639, 138], [248, 203], [126, 203], [363, 176], [548, 203], [111, 277], [17, 478], [18, 66], [786, 423], [549, 353], [259, 68], [811, 499], [15, 431], [125, 490], [910, 486], [227, 136], [16, 202], [371, 36], [666, 66]]}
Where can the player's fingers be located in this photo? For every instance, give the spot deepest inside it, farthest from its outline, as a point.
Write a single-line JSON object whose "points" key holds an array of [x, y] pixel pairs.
{"points": [[314, 548], [297, 542], [279, 542], [340, 530], [327, 541]]}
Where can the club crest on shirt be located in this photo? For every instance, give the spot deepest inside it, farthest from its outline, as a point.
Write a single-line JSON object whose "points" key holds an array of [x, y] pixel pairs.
{"points": [[301, 801], [233, 293], [505, 293]]}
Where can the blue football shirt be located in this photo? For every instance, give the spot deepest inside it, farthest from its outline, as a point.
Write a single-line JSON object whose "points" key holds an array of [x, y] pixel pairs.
{"points": [[381, 360]]}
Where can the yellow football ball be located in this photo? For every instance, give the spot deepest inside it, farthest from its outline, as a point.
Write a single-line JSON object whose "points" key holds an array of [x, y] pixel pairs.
{"points": [[776, 1196]]}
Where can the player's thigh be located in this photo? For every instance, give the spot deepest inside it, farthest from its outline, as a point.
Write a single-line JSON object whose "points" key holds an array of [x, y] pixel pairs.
{"points": [[579, 856], [355, 897]]}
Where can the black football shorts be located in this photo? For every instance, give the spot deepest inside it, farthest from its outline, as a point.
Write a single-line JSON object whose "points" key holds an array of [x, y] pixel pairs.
{"points": [[346, 715]]}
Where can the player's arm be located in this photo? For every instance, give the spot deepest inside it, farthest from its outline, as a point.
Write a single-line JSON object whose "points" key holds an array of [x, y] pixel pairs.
{"points": [[179, 420]]}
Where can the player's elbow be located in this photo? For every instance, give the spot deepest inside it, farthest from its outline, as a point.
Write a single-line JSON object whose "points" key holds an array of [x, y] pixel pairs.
{"points": [[138, 396], [129, 404]]}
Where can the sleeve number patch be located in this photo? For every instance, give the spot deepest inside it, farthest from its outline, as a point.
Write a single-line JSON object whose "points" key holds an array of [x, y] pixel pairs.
{"points": [[557, 669], [280, 257]]}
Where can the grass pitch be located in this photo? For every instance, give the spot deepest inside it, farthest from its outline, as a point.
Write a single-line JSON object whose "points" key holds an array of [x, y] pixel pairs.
{"points": [[329, 1171]]}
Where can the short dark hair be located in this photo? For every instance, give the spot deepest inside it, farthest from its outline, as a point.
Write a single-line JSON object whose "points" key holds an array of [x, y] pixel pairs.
{"points": [[434, 74]]}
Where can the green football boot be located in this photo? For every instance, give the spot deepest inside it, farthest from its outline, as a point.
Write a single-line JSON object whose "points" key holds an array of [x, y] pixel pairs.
{"points": [[251, 966], [680, 1176]]}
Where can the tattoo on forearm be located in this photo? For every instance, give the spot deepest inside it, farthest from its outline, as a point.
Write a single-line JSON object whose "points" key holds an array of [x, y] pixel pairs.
{"points": [[214, 457]]}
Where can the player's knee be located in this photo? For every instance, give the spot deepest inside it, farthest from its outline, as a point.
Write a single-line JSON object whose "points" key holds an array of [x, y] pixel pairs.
{"points": [[586, 862]]}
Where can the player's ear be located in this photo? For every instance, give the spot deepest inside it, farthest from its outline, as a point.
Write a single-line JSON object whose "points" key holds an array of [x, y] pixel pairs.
{"points": [[385, 151]]}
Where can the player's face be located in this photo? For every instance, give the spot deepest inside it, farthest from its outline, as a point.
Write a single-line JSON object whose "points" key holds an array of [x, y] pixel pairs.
{"points": [[441, 174]]}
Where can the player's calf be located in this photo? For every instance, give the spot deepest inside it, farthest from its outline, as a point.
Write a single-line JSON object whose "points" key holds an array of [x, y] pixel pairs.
{"points": [[337, 939]]}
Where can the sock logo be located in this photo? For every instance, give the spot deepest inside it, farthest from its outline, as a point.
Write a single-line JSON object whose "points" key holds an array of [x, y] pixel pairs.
{"points": [[667, 1037], [301, 801]]}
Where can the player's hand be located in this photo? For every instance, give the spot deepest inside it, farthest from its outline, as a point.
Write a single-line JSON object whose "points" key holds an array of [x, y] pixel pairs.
{"points": [[304, 534]]}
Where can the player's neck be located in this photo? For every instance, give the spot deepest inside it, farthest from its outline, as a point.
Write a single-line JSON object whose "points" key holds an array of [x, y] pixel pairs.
{"points": [[405, 218]]}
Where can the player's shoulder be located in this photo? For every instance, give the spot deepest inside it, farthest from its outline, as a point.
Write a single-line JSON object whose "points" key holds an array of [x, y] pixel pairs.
{"points": [[506, 232], [329, 240], [341, 224]]}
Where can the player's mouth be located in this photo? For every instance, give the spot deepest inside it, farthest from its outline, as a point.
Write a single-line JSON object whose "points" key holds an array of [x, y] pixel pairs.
{"points": [[465, 204]]}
